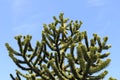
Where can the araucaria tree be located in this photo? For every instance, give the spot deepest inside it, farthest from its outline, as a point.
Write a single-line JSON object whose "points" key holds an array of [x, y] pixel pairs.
{"points": [[64, 53]]}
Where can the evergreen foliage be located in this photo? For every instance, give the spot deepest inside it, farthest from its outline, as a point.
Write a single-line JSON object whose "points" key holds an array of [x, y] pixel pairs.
{"points": [[64, 53]]}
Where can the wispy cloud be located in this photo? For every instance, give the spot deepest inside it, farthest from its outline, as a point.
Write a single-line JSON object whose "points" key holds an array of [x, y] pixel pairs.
{"points": [[18, 6], [105, 27], [23, 22], [96, 3], [25, 29], [18, 3]]}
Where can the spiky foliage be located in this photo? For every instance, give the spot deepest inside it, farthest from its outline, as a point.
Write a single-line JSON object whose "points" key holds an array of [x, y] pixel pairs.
{"points": [[65, 53]]}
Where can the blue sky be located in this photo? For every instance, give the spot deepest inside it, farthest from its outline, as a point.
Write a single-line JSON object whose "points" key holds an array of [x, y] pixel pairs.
{"points": [[27, 17]]}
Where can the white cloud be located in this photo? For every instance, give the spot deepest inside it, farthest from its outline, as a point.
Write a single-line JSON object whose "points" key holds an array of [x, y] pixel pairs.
{"points": [[96, 2], [25, 29], [18, 3], [105, 27], [18, 6]]}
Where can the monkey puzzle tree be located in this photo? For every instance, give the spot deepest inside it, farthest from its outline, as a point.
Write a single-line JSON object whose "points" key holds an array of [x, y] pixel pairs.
{"points": [[64, 53]]}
